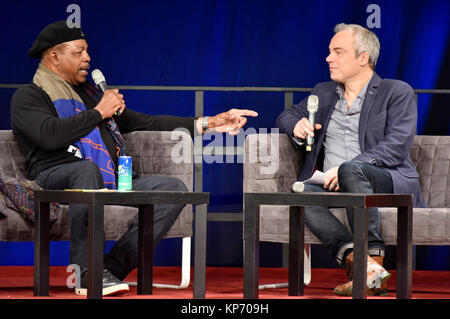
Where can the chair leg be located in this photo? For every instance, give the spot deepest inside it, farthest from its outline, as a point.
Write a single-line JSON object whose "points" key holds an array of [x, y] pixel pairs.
{"points": [[307, 272], [185, 268]]}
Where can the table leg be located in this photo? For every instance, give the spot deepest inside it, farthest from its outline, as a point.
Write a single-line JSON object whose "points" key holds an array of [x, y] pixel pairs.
{"points": [[145, 250], [251, 250], [200, 251], [360, 253], [296, 247], [95, 251], [41, 249], [404, 252]]}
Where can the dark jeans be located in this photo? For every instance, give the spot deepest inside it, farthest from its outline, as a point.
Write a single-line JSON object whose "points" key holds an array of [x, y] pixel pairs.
{"points": [[354, 177], [123, 256]]}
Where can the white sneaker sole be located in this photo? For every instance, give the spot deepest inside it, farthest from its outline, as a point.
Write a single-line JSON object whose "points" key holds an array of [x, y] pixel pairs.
{"points": [[109, 291]]}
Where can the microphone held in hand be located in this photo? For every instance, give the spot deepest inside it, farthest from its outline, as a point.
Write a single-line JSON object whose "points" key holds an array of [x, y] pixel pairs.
{"points": [[100, 81], [313, 106]]}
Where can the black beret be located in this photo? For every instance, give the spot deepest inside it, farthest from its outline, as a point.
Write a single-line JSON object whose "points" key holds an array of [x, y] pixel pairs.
{"points": [[53, 34]]}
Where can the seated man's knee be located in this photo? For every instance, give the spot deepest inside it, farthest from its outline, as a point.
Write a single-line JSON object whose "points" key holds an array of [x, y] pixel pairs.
{"points": [[90, 175], [348, 167], [347, 173], [179, 185], [174, 184]]}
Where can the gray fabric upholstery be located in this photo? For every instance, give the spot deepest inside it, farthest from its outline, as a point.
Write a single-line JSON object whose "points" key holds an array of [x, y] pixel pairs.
{"points": [[151, 153], [431, 155]]}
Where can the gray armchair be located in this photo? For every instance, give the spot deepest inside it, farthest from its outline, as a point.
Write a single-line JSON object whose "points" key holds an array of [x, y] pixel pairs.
{"points": [[151, 152], [431, 155]]}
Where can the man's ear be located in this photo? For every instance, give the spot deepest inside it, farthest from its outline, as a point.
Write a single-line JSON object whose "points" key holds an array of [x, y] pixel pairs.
{"points": [[363, 58], [54, 57]]}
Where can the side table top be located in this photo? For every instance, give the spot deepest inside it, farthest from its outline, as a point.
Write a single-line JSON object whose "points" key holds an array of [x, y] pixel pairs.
{"points": [[121, 197], [329, 199]]}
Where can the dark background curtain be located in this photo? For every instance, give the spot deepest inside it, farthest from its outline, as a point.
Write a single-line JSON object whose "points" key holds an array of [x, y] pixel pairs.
{"points": [[232, 43]]}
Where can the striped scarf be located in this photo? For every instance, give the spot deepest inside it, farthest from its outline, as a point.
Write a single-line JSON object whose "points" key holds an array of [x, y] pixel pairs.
{"points": [[68, 103]]}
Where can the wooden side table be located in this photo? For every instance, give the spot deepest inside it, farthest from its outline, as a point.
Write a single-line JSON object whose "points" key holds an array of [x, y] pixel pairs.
{"points": [[297, 203], [96, 200]]}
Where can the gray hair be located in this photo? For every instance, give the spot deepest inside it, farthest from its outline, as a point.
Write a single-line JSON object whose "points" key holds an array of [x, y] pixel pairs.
{"points": [[365, 41]]}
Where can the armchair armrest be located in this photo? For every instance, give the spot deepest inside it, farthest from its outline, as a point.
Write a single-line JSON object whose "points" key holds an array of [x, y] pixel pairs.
{"points": [[153, 154], [158, 153], [271, 163]]}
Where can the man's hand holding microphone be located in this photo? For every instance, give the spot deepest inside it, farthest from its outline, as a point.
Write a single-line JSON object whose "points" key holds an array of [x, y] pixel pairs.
{"points": [[304, 129], [112, 103]]}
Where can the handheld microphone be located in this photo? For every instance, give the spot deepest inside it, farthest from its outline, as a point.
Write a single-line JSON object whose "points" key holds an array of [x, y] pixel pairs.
{"points": [[313, 106], [100, 81]]}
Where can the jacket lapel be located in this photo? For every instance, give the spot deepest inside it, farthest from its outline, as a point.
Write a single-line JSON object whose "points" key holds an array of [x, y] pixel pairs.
{"points": [[372, 90], [330, 102], [326, 107]]}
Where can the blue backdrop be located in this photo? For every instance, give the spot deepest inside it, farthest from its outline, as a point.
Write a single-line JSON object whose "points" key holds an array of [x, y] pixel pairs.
{"points": [[230, 43]]}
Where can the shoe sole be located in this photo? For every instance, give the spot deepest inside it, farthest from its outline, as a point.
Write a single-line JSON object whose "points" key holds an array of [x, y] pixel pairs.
{"points": [[108, 291], [347, 292], [377, 292]]}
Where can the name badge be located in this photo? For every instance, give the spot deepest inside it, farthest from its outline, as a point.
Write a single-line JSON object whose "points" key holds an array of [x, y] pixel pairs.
{"points": [[75, 151]]}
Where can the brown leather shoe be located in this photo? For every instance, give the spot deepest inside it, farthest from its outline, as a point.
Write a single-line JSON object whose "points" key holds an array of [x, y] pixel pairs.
{"points": [[349, 264], [377, 277]]}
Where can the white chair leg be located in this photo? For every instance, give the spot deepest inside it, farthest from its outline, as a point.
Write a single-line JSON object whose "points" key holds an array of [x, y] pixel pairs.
{"points": [[307, 269], [185, 268], [306, 276]]}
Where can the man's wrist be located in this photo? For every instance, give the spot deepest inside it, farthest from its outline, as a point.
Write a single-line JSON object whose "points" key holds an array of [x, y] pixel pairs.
{"points": [[99, 113], [205, 123], [202, 123]]}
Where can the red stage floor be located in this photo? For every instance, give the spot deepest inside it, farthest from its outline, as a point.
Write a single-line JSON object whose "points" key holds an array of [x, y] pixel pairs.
{"points": [[221, 283]]}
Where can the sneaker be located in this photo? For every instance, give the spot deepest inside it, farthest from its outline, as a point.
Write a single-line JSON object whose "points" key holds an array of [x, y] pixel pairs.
{"points": [[111, 285]]}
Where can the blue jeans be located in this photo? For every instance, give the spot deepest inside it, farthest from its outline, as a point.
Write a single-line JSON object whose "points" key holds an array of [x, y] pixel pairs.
{"points": [[122, 258], [354, 177]]}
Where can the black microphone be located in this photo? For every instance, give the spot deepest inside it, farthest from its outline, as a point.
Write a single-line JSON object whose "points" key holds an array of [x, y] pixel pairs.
{"points": [[313, 106], [100, 81]]}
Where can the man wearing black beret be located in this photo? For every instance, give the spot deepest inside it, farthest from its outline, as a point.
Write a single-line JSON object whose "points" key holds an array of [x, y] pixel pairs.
{"points": [[55, 120]]}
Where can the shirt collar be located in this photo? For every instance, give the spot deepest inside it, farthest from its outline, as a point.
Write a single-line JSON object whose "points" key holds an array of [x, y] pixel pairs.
{"points": [[340, 90]]}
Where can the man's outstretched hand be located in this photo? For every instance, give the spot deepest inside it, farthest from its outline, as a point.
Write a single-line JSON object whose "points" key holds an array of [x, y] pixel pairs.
{"points": [[229, 122]]}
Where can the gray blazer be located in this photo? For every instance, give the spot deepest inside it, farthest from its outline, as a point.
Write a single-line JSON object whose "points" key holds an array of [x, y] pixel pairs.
{"points": [[387, 127]]}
